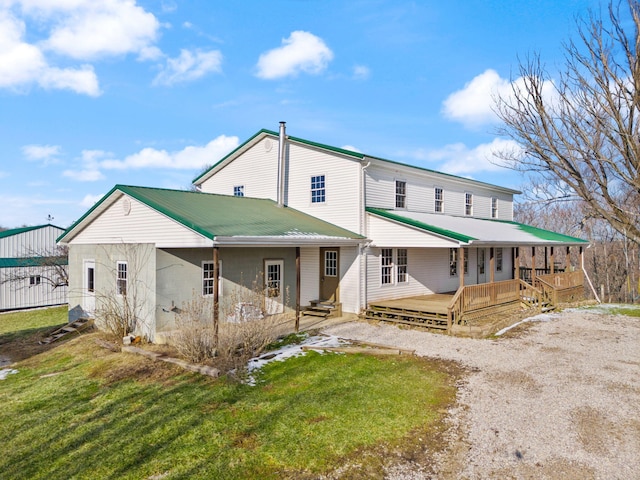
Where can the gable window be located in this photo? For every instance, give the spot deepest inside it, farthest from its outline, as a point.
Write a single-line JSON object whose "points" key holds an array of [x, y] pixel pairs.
{"points": [[238, 191], [207, 278], [401, 265], [498, 259], [121, 278], [34, 280], [453, 261], [468, 204], [439, 200], [318, 193], [401, 194], [494, 207]]}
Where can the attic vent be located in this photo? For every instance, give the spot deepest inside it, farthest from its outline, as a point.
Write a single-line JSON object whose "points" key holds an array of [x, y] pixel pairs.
{"points": [[126, 206], [268, 145]]}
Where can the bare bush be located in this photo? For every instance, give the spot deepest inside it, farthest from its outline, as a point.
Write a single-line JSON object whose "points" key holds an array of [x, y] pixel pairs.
{"points": [[194, 336]]}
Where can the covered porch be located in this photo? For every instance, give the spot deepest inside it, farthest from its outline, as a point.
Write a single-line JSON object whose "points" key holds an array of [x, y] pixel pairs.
{"points": [[462, 311]]}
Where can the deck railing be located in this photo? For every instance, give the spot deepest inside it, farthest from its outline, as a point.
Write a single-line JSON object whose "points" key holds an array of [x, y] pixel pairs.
{"points": [[525, 272], [475, 301]]}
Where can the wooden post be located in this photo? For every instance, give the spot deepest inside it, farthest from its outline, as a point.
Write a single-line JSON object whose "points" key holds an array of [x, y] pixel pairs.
{"points": [[581, 257], [533, 265], [492, 265], [553, 259], [216, 296], [517, 263], [567, 260], [461, 265], [546, 260], [297, 289]]}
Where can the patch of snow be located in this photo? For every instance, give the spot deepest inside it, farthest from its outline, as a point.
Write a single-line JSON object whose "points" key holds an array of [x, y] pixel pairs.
{"points": [[5, 372], [290, 351], [541, 317]]}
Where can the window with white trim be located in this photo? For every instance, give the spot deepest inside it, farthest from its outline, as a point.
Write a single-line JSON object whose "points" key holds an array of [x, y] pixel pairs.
{"points": [[238, 191], [498, 259], [318, 192], [121, 278], [394, 266], [468, 204], [386, 266], [401, 194], [439, 200], [207, 277], [35, 280], [494, 207], [453, 261], [402, 257]]}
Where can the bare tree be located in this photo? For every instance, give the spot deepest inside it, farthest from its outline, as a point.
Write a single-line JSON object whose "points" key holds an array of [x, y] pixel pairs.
{"points": [[50, 266], [579, 134]]}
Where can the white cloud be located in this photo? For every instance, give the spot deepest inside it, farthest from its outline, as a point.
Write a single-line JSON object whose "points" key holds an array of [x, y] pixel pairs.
{"points": [[89, 200], [189, 66], [41, 152], [89, 170], [23, 64], [458, 159], [188, 158], [473, 105], [351, 148], [89, 29], [361, 72], [301, 52]]}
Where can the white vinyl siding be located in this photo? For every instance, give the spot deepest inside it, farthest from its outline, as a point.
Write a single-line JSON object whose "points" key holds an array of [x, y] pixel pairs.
{"points": [[388, 233], [141, 225]]}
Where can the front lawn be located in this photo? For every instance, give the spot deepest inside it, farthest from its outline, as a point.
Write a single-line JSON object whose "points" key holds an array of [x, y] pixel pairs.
{"points": [[80, 411], [21, 331]]}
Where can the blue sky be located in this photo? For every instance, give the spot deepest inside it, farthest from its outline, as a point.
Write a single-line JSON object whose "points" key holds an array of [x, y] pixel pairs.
{"points": [[95, 93]]}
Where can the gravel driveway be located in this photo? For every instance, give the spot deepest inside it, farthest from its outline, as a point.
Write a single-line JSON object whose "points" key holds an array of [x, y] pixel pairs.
{"points": [[557, 399]]}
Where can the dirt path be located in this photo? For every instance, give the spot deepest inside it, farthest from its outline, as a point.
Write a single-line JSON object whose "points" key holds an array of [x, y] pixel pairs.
{"points": [[558, 400]]}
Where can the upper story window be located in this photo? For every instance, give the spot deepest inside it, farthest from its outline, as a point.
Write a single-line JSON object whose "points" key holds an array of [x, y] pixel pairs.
{"points": [[401, 194], [494, 207], [439, 200], [121, 278], [238, 191], [468, 204], [318, 192]]}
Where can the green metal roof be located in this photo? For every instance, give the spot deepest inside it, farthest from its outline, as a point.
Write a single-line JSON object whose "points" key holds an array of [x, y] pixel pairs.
{"points": [[16, 231], [213, 215], [357, 155], [473, 230], [32, 261]]}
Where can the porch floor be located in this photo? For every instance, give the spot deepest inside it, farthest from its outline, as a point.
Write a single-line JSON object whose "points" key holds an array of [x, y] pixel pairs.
{"points": [[424, 310]]}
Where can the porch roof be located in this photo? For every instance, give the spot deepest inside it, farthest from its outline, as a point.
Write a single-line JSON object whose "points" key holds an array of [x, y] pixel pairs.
{"points": [[477, 231], [223, 218]]}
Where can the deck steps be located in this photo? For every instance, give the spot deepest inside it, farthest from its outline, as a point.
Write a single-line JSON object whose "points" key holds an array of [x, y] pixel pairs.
{"points": [[423, 318], [74, 327], [323, 309]]}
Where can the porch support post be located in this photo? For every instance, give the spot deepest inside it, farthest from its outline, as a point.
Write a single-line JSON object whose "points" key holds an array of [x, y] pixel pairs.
{"points": [[517, 263], [582, 257], [533, 265], [492, 264], [216, 296], [297, 289], [546, 260], [552, 258], [461, 265], [567, 260]]}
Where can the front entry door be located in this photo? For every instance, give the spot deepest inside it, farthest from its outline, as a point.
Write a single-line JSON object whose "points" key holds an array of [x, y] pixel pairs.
{"points": [[482, 265], [329, 274]]}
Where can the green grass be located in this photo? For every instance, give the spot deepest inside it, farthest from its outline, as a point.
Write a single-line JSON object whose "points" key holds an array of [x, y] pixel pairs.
{"points": [[630, 310], [17, 324], [79, 411]]}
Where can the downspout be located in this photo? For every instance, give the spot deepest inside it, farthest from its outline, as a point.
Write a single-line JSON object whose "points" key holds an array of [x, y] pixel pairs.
{"points": [[281, 163], [586, 275], [363, 232]]}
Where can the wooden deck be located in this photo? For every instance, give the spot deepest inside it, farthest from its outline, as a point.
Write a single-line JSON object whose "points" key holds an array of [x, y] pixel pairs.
{"points": [[423, 310]]}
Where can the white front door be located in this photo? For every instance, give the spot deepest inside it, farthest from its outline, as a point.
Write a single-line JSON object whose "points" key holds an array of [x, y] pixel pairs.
{"points": [[482, 265], [273, 286], [89, 287]]}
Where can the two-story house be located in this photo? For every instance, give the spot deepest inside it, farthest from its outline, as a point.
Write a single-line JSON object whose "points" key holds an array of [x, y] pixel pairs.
{"points": [[316, 224]]}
